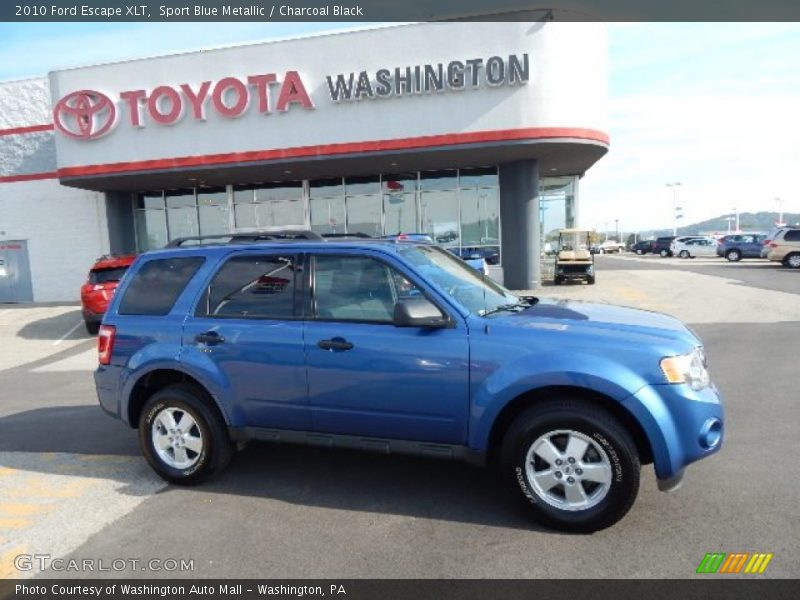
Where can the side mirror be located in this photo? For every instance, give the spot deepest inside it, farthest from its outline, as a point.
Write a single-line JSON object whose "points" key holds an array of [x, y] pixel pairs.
{"points": [[418, 312]]}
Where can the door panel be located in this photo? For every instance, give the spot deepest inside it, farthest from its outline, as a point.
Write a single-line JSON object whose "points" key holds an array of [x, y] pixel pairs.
{"points": [[15, 274], [247, 323], [377, 379]]}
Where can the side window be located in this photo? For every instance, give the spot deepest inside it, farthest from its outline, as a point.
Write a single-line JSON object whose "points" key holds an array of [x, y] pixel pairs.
{"points": [[157, 284], [747, 239], [252, 287], [793, 235], [358, 288]]}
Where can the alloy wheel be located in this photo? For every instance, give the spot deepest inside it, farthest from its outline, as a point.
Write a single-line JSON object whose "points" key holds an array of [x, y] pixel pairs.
{"points": [[177, 439], [568, 470]]}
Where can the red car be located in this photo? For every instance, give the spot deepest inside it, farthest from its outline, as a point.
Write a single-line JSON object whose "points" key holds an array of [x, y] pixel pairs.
{"points": [[98, 290]]}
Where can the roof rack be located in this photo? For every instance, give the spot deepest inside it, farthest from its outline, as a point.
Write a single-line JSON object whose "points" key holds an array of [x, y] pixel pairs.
{"points": [[343, 236], [283, 235]]}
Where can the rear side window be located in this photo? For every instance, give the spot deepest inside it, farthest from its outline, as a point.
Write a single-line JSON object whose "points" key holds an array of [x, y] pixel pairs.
{"points": [[252, 287], [107, 275], [793, 235], [157, 284]]}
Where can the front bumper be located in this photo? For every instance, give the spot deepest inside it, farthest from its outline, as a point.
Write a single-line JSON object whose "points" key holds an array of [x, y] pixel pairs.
{"points": [[682, 425]]}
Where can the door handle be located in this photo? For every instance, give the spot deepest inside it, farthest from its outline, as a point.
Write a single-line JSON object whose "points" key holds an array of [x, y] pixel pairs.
{"points": [[337, 344], [209, 338]]}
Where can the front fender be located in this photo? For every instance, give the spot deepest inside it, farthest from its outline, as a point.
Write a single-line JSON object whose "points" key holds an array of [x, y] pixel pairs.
{"points": [[528, 373]]}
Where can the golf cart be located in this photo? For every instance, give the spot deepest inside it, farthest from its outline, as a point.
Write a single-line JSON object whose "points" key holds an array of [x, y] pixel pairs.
{"points": [[574, 260]]}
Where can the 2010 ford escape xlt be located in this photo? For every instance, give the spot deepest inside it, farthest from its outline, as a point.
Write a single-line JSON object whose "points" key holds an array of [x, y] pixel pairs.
{"points": [[398, 346]]}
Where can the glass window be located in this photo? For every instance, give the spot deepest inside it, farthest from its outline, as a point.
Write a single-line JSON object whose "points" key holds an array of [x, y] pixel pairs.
{"points": [[153, 200], [480, 224], [151, 229], [106, 275], [481, 177], [356, 288], [364, 215], [478, 294], [439, 180], [439, 216], [400, 213], [157, 284], [324, 188], [269, 205], [362, 185], [213, 210], [328, 215], [400, 183], [252, 287], [292, 190], [182, 220]]}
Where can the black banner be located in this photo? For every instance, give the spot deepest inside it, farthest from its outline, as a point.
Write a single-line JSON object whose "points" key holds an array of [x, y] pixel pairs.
{"points": [[731, 588], [398, 10]]}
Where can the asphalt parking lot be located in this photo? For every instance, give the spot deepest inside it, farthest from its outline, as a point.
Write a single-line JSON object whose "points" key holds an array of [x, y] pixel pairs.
{"points": [[73, 483]]}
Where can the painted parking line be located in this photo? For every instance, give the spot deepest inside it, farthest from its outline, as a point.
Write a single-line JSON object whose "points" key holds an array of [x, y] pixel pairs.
{"points": [[69, 333], [51, 503]]}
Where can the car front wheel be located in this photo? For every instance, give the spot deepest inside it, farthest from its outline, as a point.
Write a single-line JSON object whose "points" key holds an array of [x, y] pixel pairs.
{"points": [[573, 465], [733, 255], [182, 437], [664, 253], [684, 254]]}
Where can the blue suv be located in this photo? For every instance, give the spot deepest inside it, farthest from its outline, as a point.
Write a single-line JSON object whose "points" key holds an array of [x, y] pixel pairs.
{"points": [[400, 347]]}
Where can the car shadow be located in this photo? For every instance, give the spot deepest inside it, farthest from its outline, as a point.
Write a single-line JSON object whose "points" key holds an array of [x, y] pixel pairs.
{"points": [[57, 327], [318, 477]]}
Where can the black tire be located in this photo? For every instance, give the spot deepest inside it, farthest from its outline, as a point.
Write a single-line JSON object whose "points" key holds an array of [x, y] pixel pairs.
{"points": [[587, 419], [590, 279], [792, 260], [558, 281], [684, 254], [92, 327], [664, 253], [217, 448], [640, 252], [733, 255]]}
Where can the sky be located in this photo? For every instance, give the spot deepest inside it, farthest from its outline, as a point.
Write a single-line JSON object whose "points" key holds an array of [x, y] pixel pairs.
{"points": [[715, 107]]}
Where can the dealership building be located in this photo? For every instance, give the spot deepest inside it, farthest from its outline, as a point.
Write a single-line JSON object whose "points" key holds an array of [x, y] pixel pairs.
{"points": [[476, 133]]}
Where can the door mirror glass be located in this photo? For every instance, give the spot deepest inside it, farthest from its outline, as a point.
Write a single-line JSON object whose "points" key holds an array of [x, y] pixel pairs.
{"points": [[418, 312]]}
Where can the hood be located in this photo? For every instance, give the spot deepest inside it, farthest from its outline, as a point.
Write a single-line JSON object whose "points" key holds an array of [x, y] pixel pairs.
{"points": [[606, 320]]}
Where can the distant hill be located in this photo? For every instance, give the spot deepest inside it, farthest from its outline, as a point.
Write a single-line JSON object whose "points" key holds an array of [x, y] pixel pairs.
{"points": [[760, 221]]}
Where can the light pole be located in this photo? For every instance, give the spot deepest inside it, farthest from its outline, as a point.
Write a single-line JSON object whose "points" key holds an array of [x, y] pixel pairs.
{"points": [[736, 212], [780, 222], [674, 187], [616, 228]]}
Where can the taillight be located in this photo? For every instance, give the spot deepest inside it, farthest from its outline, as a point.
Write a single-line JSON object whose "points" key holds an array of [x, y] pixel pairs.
{"points": [[105, 343]]}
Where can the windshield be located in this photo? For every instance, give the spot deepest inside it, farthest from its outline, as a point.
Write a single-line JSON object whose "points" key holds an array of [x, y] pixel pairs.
{"points": [[470, 288], [574, 241]]}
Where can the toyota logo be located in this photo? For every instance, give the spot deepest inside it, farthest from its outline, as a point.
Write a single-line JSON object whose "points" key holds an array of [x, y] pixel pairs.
{"points": [[84, 115]]}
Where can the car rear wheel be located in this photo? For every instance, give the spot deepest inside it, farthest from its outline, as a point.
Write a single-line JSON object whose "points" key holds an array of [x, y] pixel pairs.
{"points": [[639, 252], [684, 254], [734, 255], [590, 279], [92, 327], [793, 261], [664, 253], [182, 437], [573, 464]]}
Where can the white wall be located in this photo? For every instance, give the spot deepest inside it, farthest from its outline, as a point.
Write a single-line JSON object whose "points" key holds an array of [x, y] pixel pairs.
{"points": [[65, 229]]}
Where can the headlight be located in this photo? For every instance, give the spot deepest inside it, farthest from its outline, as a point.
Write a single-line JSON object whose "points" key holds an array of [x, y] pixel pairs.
{"points": [[687, 368]]}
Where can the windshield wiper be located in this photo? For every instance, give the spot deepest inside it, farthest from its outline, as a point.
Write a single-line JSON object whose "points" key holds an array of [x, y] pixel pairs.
{"points": [[527, 302]]}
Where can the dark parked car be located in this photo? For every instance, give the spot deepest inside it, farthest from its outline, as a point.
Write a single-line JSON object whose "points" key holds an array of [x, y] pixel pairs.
{"points": [[739, 246], [642, 247], [662, 246], [400, 347]]}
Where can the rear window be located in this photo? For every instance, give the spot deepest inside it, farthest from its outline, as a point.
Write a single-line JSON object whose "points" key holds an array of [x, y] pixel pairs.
{"points": [[157, 284], [106, 275]]}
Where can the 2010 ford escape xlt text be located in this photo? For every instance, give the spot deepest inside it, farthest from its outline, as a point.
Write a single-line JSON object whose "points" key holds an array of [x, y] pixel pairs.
{"points": [[398, 346]]}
